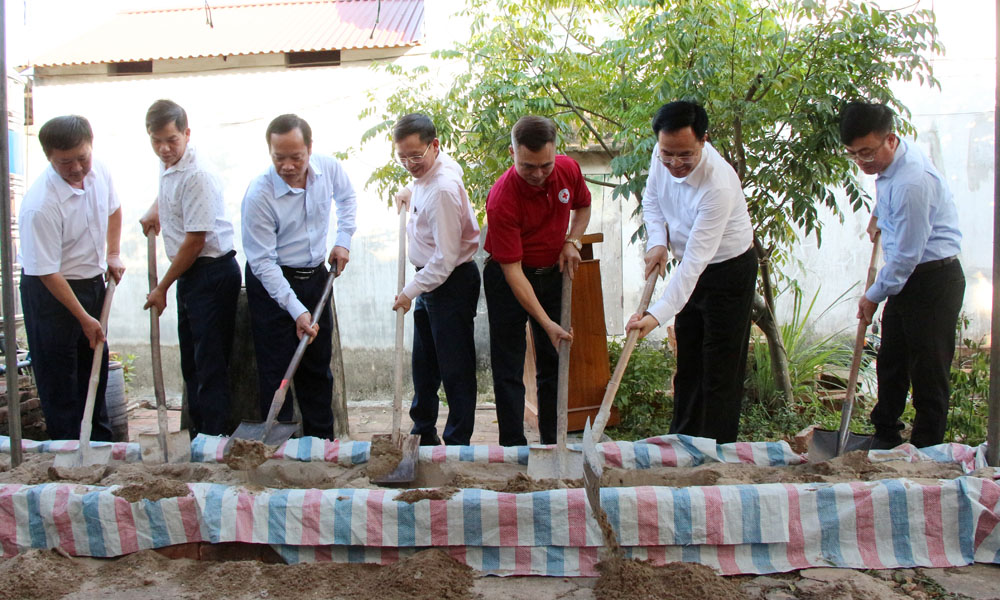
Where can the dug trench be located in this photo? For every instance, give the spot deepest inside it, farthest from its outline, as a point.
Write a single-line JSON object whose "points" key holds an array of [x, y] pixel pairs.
{"points": [[428, 574]]}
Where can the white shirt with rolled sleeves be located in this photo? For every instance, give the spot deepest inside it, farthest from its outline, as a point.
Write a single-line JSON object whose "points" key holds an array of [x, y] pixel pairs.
{"points": [[65, 230], [284, 227], [191, 200], [442, 232], [707, 215]]}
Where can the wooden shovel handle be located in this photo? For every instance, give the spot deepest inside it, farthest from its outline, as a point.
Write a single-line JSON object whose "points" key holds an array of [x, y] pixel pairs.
{"points": [[859, 350], [86, 424], [601, 420], [562, 394], [397, 397]]}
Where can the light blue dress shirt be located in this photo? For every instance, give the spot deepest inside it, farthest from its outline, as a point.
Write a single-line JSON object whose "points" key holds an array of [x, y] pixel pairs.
{"points": [[287, 227], [917, 216]]}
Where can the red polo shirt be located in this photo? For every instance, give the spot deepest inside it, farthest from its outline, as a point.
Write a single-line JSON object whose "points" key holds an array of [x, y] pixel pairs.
{"points": [[528, 223]]}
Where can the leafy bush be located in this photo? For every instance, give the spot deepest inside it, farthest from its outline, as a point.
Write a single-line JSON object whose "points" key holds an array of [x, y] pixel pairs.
{"points": [[970, 390], [644, 401]]}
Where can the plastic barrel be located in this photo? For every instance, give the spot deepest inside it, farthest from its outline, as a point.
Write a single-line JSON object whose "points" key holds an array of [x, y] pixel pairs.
{"points": [[114, 398]]}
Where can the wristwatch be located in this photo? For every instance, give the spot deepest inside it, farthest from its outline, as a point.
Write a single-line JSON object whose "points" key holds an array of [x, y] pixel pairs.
{"points": [[575, 242]]}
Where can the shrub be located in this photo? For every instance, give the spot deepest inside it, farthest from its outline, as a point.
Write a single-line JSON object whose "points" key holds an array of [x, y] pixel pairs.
{"points": [[644, 400]]}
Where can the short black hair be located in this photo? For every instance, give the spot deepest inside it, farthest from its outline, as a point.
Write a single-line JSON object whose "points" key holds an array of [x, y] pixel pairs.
{"points": [[414, 123], [285, 123], [65, 133], [859, 119], [533, 132], [163, 113], [679, 114]]}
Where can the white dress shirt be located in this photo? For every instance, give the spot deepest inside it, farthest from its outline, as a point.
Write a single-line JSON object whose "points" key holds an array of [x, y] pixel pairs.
{"points": [[706, 213], [442, 232], [284, 227], [65, 230], [191, 200]]}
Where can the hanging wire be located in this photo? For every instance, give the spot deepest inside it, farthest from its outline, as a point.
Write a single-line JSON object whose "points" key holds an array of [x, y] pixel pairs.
{"points": [[208, 15], [378, 15]]}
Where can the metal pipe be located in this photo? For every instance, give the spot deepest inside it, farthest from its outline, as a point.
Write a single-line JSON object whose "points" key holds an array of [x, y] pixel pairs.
{"points": [[7, 258], [993, 424]]}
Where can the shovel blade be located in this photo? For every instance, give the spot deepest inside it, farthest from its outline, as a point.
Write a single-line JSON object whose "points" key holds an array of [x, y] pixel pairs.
{"points": [[257, 431], [406, 471], [178, 448], [545, 462], [95, 455], [823, 444]]}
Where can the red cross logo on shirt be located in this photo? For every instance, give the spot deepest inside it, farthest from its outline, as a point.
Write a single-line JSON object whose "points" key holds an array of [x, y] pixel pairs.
{"points": [[564, 196]]}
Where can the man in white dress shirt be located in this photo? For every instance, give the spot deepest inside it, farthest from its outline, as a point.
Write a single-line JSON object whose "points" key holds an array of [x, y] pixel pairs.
{"points": [[198, 239], [443, 237], [70, 223], [286, 216], [693, 193]]}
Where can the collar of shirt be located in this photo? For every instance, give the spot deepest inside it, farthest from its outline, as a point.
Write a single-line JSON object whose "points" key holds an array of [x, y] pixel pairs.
{"points": [[697, 174], [281, 188], [897, 159], [186, 162], [65, 190]]}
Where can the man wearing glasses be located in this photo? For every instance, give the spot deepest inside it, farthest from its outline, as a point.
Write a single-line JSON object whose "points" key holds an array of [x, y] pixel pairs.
{"points": [[696, 196], [443, 237], [921, 281], [286, 217]]}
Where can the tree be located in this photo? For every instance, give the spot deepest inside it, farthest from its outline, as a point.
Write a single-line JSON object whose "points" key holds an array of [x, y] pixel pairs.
{"points": [[771, 74]]}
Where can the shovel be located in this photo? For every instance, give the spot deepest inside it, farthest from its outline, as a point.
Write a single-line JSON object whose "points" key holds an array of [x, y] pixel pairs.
{"points": [[86, 455], [163, 446], [544, 462], [592, 472], [601, 420], [825, 444], [409, 444], [270, 431]]}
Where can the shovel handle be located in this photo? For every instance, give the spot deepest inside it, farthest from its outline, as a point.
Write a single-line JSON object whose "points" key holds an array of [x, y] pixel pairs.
{"points": [[859, 350], [562, 396], [154, 347], [86, 424], [601, 420], [278, 401], [397, 398]]}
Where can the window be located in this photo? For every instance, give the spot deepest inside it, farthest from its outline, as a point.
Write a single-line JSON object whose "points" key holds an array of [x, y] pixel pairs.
{"points": [[318, 58], [131, 68]]}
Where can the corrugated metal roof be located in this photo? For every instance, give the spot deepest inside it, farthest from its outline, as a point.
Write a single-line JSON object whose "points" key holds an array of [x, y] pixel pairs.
{"points": [[244, 29]]}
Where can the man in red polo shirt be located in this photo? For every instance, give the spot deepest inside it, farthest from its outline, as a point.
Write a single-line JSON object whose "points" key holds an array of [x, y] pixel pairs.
{"points": [[527, 213]]}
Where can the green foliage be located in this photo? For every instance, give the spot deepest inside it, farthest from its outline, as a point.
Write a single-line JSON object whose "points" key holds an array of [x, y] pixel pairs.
{"points": [[644, 402], [772, 75], [810, 357], [970, 390]]}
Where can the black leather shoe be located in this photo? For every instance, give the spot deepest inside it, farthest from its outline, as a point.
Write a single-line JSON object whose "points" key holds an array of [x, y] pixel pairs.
{"points": [[430, 439], [880, 443]]}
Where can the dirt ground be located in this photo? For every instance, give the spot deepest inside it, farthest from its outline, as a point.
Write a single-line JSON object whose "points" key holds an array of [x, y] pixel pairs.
{"points": [[48, 575]]}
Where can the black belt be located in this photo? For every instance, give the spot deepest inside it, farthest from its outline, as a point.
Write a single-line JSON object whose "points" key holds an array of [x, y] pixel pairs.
{"points": [[302, 273], [934, 264], [207, 260], [539, 270]]}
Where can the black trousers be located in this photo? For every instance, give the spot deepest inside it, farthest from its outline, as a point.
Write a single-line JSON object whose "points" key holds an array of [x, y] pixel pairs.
{"points": [[61, 357], [918, 344], [206, 318], [444, 352], [275, 341], [507, 347], [713, 332]]}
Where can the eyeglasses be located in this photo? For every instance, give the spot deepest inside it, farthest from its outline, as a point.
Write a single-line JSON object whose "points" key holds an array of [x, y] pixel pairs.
{"points": [[412, 160], [681, 160], [868, 154]]}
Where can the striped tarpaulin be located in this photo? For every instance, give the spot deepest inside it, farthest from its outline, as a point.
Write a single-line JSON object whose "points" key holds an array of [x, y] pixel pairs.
{"points": [[734, 529]]}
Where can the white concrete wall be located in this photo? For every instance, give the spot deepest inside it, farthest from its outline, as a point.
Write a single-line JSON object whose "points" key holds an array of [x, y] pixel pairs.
{"points": [[228, 112]]}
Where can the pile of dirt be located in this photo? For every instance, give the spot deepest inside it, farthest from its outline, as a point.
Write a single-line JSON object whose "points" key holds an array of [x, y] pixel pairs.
{"points": [[38, 574], [635, 580], [411, 496], [853, 466], [154, 490], [244, 455], [520, 483], [383, 458], [427, 575]]}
